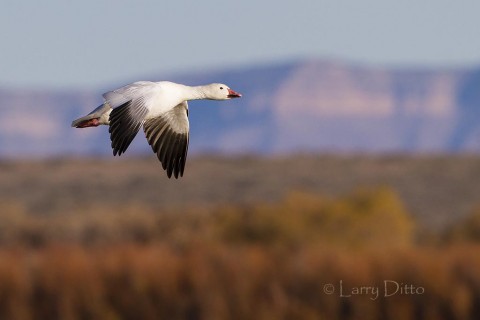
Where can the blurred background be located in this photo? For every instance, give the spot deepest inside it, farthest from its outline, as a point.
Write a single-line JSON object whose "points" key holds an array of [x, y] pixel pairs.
{"points": [[351, 161]]}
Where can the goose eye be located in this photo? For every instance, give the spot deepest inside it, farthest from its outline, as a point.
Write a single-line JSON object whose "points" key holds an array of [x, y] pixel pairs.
{"points": [[221, 88]]}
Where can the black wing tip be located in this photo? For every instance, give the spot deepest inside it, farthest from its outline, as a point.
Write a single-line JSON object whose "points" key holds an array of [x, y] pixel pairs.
{"points": [[176, 175], [172, 149], [172, 156], [169, 145], [117, 152], [122, 128]]}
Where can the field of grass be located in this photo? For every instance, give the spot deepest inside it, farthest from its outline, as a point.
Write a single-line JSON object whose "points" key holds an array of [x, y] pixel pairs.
{"points": [[437, 190], [298, 237]]}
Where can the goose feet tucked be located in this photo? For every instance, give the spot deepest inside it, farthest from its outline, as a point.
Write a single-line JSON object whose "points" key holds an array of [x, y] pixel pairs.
{"points": [[88, 123]]}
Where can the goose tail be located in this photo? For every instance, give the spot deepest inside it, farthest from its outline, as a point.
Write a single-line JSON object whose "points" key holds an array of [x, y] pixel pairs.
{"points": [[95, 118]]}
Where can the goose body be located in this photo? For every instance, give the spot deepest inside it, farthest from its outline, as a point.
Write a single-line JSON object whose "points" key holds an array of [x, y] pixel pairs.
{"points": [[161, 108]]}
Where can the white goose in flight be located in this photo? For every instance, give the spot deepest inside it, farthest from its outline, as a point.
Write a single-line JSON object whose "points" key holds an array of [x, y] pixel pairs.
{"points": [[161, 108]]}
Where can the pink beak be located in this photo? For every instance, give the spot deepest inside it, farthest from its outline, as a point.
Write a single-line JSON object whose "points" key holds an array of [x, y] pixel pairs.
{"points": [[233, 94]]}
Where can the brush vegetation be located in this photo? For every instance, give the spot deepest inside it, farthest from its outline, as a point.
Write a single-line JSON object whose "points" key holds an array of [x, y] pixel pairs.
{"points": [[252, 256]]}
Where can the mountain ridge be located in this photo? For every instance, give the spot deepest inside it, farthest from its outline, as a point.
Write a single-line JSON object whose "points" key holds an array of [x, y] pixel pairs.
{"points": [[308, 105]]}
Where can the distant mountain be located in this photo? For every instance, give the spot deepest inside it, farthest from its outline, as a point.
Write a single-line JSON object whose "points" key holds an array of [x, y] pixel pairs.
{"points": [[306, 105]]}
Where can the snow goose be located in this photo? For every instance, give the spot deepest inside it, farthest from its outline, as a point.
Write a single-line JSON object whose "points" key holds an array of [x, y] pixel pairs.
{"points": [[161, 108]]}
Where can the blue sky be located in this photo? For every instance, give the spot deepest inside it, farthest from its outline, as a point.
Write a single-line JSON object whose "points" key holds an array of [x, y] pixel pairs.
{"points": [[91, 43]]}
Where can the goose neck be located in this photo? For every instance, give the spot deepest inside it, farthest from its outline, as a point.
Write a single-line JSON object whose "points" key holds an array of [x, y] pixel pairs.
{"points": [[196, 93]]}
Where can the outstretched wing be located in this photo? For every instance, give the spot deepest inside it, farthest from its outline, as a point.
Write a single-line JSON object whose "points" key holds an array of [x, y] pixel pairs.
{"points": [[168, 136], [125, 121], [130, 106]]}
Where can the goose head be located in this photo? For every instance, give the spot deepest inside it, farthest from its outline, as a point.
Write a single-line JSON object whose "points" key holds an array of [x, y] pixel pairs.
{"points": [[220, 91]]}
